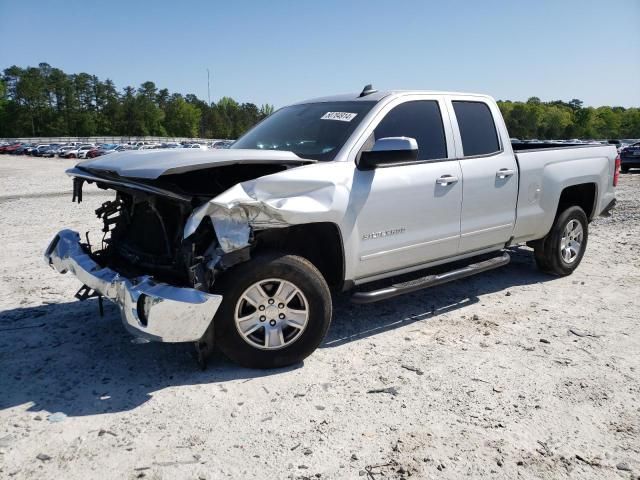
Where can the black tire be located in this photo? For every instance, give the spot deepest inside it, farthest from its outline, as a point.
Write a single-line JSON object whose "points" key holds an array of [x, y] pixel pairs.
{"points": [[624, 169], [294, 269], [547, 251], [540, 257]]}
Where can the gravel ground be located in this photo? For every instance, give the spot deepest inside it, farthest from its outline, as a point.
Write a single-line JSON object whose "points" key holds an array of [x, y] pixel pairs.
{"points": [[508, 374]]}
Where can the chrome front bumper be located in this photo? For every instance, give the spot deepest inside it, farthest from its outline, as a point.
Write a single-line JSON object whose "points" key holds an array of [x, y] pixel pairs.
{"points": [[150, 310]]}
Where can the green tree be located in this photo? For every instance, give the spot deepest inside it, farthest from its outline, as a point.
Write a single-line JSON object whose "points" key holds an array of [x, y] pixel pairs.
{"points": [[606, 123], [110, 112], [182, 119], [266, 110], [3, 109], [131, 121], [630, 123], [150, 114]]}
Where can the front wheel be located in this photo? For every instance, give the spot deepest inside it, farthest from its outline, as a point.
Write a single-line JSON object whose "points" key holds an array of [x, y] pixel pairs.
{"points": [[561, 251], [276, 310]]}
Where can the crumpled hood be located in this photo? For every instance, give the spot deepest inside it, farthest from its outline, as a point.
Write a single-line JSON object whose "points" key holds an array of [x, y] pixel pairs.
{"points": [[151, 164]]}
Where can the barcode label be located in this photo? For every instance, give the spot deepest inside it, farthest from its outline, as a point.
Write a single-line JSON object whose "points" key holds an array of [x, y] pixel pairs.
{"points": [[340, 116]]}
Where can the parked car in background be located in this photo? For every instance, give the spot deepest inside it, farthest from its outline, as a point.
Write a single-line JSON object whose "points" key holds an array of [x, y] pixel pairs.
{"points": [[630, 157], [619, 144], [22, 149], [170, 145], [94, 152], [50, 152], [33, 148], [222, 144], [39, 147], [106, 149], [63, 149], [85, 153], [42, 151], [39, 150], [11, 148], [197, 145], [84, 149], [143, 145], [75, 152]]}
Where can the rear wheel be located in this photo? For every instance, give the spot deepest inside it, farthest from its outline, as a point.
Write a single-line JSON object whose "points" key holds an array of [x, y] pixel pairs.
{"points": [[561, 251], [276, 310]]}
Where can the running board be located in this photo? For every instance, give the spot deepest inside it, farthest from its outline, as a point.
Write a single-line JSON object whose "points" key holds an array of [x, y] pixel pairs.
{"points": [[430, 280]]}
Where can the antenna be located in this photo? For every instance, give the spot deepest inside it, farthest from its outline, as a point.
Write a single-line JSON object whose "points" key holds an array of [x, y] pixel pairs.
{"points": [[208, 88], [367, 90]]}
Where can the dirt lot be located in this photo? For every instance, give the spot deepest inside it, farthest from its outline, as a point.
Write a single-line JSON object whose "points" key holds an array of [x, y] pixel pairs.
{"points": [[508, 374]]}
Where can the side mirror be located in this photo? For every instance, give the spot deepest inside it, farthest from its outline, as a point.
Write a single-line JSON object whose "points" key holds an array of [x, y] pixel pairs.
{"points": [[389, 151]]}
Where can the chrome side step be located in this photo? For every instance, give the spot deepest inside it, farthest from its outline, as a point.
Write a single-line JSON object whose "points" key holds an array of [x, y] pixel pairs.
{"points": [[430, 280]]}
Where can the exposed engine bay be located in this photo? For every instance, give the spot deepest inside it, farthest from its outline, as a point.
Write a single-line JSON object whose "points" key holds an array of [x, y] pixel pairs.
{"points": [[143, 235], [144, 225]]}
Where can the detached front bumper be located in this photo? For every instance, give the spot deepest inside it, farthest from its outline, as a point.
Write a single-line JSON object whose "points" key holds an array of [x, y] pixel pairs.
{"points": [[150, 310]]}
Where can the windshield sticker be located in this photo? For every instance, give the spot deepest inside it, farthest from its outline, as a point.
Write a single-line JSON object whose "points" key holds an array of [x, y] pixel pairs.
{"points": [[340, 116]]}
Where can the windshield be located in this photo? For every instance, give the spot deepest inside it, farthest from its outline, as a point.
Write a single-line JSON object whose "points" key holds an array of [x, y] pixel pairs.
{"points": [[312, 130]]}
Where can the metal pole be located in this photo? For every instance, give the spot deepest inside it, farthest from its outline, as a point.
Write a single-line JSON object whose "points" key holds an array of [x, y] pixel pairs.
{"points": [[208, 88]]}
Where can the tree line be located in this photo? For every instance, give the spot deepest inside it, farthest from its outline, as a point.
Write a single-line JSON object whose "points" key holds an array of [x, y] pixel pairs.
{"points": [[567, 120], [45, 101]]}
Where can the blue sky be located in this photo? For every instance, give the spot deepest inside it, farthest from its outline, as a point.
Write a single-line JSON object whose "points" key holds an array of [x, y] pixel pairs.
{"points": [[283, 51]]}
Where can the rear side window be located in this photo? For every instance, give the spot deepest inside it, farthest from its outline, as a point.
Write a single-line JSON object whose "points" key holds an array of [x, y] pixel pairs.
{"points": [[420, 120], [477, 129]]}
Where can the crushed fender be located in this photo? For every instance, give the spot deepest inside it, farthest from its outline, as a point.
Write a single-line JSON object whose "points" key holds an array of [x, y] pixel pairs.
{"points": [[253, 205]]}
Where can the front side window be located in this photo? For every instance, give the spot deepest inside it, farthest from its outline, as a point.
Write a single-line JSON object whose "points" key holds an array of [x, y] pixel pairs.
{"points": [[313, 130], [421, 120], [477, 129]]}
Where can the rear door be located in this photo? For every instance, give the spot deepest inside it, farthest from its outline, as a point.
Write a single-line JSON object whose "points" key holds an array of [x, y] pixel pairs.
{"points": [[490, 174], [409, 214]]}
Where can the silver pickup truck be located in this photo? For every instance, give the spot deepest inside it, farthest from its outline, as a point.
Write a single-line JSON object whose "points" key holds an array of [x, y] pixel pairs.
{"points": [[240, 248]]}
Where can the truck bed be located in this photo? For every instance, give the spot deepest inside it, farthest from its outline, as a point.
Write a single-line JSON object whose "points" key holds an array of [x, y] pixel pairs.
{"points": [[517, 147], [545, 169]]}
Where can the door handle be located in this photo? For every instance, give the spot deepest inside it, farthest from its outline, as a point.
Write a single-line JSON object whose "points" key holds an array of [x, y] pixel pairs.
{"points": [[446, 180], [505, 172]]}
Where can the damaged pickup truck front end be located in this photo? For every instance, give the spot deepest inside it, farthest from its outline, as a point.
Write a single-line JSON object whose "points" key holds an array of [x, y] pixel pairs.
{"points": [[178, 220]]}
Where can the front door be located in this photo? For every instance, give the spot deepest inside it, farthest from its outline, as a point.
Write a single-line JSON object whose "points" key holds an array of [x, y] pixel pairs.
{"points": [[411, 213]]}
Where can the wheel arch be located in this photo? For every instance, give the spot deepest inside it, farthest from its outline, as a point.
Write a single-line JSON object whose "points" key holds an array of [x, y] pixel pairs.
{"points": [[583, 195], [320, 242]]}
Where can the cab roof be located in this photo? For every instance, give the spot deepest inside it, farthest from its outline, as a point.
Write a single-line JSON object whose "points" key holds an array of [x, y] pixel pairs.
{"points": [[379, 95]]}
